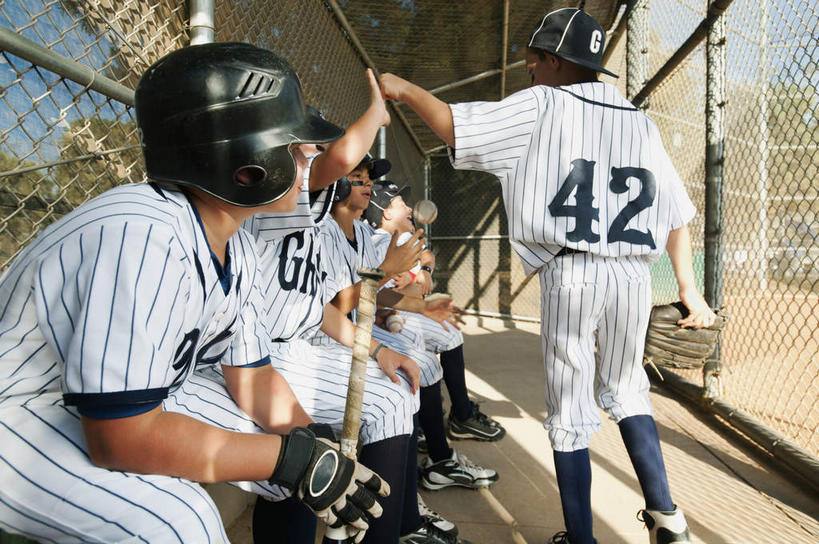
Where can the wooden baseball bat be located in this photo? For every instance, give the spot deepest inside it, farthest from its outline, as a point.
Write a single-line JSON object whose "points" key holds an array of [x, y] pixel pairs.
{"points": [[358, 375]]}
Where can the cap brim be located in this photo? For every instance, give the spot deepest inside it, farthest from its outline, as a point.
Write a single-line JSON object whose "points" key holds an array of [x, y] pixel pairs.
{"points": [[315, 130], [379, 167], [585, 63]]}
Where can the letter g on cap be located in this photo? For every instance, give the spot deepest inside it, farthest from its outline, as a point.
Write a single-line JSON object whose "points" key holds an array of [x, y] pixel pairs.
{"points": [[596, 39]]}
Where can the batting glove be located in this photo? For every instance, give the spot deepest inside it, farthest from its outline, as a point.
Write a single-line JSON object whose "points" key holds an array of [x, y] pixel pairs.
{"points": [[340, 491]]}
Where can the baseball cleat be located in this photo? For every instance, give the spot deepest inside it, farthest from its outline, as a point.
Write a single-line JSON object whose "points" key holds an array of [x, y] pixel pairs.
{"points": [[455, 471], [478, 426], [562, 537], [428, 533], [422, 442], [665, 527], [430, 515]]}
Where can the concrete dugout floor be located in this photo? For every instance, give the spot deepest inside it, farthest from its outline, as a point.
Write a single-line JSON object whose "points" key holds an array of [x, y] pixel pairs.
{"points": [[729, 492]]}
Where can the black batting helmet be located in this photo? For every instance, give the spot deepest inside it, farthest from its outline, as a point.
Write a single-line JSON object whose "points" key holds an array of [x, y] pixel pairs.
{"points": [[571, 34], [221, 117]]}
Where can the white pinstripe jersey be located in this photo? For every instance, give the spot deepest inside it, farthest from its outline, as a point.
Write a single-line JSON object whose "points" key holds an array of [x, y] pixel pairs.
{"points": [[381, 241], [290, 256], [579, 167], [342, 260], [111, 307]]}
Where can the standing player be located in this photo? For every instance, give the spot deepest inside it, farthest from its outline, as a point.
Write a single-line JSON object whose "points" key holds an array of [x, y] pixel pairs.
{"points": [[389, 213], [103, 427], [592, 198]]}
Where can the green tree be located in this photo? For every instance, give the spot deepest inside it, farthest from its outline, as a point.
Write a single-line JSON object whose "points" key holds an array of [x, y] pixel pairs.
{"points": [[94, 164], [23, 209]]}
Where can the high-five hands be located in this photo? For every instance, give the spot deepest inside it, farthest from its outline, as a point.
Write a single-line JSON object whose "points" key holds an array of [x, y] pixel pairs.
{"points": [[376, 100]]}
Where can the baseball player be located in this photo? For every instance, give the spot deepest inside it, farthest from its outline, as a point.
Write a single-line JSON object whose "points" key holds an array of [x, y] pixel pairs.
{"points": [[350, 242], [104, 426], [294, 284], [592, 198], [388, 212]]}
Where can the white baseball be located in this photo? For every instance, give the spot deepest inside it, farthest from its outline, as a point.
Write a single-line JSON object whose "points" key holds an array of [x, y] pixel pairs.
{"points": [[395, 323], [425, 212]]}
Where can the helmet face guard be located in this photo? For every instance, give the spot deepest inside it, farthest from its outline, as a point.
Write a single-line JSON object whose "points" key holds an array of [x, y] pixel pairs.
{"points": [[221, 117]]}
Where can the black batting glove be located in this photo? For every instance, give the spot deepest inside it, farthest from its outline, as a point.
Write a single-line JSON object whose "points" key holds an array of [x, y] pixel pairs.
{"points": [[340, 491], [322, 430]]}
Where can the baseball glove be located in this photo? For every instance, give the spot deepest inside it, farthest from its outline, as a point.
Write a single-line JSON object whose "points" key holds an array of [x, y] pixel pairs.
{"points": [[672, 346]]}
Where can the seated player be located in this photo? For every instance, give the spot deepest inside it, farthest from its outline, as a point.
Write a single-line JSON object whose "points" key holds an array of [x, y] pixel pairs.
{"points": [[293, 266], [388, 213], [350, 244], [104, 427]]}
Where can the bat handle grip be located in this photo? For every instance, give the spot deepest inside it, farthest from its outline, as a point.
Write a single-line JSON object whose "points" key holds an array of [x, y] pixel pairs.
{"points": [[358, 374], [361, 352]]}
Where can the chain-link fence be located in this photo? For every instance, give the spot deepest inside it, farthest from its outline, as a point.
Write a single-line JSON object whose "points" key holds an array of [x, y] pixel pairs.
{"points": [[62, 142], [769, 266]]}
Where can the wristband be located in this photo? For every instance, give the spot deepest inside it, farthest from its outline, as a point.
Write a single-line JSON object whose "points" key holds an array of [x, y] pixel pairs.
{"points": [[294, 456], [425, 267], [376, 350]]}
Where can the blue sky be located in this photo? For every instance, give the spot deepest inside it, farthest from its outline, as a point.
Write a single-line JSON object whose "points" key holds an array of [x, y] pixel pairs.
{"points": [[787, 23]]}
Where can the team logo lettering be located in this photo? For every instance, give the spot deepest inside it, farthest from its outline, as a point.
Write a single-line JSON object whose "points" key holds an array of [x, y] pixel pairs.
{"points": [[596, 40], [305, 272]]}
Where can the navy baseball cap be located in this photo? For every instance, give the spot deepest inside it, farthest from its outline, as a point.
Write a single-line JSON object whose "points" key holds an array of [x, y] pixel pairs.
{"points": [[381, 195], [376, 167], [571, 34]]}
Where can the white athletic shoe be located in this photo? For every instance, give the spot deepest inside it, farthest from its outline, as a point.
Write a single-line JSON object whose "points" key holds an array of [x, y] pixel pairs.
{"points": [[430, 515], [457, 470], [665, 527]]}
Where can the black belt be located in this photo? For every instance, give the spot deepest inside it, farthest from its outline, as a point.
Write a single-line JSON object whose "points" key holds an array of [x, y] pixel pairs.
{"points": [[279, 340], [568, 251]]}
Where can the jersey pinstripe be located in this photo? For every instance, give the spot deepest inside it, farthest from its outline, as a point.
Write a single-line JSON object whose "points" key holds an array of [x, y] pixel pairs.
{"points": [[294, 265], [436, 339], [345, 260], [318, 376], [579, 167], [106, 314]]}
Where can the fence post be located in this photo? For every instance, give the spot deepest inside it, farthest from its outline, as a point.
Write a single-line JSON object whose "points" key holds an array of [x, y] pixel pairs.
{"points": [[714, 155], [637, 49], [203, 27]]}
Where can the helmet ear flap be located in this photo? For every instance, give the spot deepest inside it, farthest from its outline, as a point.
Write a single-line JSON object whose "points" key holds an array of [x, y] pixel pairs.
{"points": [[343, 189]]}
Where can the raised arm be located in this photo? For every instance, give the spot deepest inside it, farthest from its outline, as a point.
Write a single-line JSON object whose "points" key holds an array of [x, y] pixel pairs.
{"points": [[433, 111], [344, 154]]}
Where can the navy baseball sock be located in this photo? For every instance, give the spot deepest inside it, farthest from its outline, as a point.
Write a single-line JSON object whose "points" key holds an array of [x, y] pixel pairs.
{"points": [[283, 521], [387, 458], [432, 422], [573, 470], [643, 445], [411, 519], [453, 364]]}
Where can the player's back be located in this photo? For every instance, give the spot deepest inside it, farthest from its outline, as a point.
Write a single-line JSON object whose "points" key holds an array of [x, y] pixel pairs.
{"points": [[611, 187], [580, 167]]}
